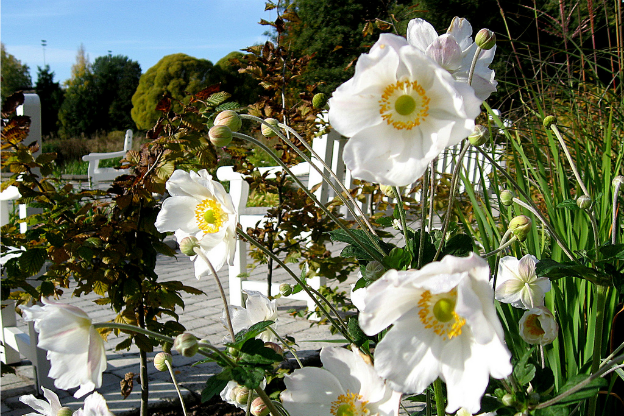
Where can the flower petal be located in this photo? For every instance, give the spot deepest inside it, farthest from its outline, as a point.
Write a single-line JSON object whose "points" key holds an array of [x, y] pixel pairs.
{"points": [[421, 34], [177, 212]]}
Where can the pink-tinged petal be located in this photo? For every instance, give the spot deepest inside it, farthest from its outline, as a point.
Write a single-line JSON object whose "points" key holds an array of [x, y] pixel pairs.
{"points": [[354, 374], [177, 212], [421, 34], [445, 52], [259, 307], [526, 267], [461, 30], [543, 283], [384, 307], [510, 292], [405, 357]]}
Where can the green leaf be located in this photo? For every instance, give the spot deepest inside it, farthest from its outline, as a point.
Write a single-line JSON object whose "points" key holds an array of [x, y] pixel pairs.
{"points": [[568, 204], [164, 249], [32, 260], [553, 270], [588, 391], [613, 251], [143, 343], [399, 259], [125, 344], [254, 352], [356, 332], [215, 384], [523, 370], [85, 253], [361, 239], [248, 376], [252, 332], [552, 411], [93, 242], [459, 245]]}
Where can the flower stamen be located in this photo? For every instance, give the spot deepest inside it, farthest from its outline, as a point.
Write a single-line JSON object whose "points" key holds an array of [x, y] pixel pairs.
{"points": [[404, 105], [437, 312], [210, 216], [349, 404]]}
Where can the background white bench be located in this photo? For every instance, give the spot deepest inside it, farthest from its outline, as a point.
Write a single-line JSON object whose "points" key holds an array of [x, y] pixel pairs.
{"points": [[96, 173]]}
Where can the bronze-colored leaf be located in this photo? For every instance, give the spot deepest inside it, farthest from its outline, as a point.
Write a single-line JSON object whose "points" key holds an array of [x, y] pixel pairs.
{"points": [[127, 384], [164, 104], [11, 104], [205, 93]]}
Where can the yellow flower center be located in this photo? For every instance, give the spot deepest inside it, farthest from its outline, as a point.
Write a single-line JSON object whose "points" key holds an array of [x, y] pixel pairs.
{"points": [[404, 105], [437, 312], [210, 216], [349, 404], [532, 323]]}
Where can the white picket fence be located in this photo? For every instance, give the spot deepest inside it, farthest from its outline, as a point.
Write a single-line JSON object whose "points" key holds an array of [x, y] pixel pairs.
{"points": [[15, 342]]}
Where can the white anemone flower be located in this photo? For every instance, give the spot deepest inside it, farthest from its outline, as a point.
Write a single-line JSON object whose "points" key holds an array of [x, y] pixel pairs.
{"points": [[258, 308], [400, 111], [94, 405], [538, 326], [43, 408], [233, 391], [517, 283], [201, 208], [347, 385], [454, 51], [75, 348], [444, 325]]}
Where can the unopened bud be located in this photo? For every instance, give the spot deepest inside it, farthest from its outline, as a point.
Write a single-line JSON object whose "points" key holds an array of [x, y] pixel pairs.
{"points": [[520, 227], [285, 289], [233, 351], [220, 135], [508, 399], [584, 202], [186, 344], [374, 270], [188, 245], [268, 131], [258, 407], [160, 361], [549, 121], [618, 180], [319, 100], [485, 39], [388, 191], [64, 411], [230, 119], [479, 136], [506, 197], [242, 395], [275, 347]]}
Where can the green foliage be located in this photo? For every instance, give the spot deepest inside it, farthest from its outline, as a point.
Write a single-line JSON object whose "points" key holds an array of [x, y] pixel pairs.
{"points": [[51, 96], [176, 76], [15, 75]]}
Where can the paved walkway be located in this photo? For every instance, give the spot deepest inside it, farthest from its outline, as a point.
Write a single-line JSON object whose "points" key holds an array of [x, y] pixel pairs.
{"points": [[201, 316]]}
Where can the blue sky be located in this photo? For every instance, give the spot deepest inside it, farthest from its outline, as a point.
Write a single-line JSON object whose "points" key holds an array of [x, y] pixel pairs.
{"points": [[143, 30]]}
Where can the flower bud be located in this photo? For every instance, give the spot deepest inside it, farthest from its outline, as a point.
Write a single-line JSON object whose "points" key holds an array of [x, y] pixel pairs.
{"points": [[186, 344], [220, 135], [319, 100], [188, 245], [285, 289], [388, 191], [274, 347], [549, 121], [258, 407], [242, 395], [520, 227], [268, 131], [618, 180], [584, 202], [374, 270], [538, 326], [485, 39], [64, 411], [230, 119], [506, 197], [160, 361], [479, 136], [508, 399]]}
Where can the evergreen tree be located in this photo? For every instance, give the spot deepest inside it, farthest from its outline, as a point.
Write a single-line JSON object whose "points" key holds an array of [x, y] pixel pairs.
{"points": [[177, 75], [51, 96], [15, 75]]}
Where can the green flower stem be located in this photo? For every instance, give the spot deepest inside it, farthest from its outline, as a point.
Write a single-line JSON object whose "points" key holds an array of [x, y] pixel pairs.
{"points": [[555, 130], [228, 319], [401, 213], [340, 326], [616, 191], [439, 397], [292, 351], [362, 220], [600, 300], [373, 254], [175, 383], [248, 408], [605, 369], [501, 247], [473, 64], [449, 208], [423, 204], [267, 401], [525, 196]]}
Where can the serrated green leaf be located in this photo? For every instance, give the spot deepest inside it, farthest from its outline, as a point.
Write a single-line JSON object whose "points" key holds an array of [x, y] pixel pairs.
{"points": [[248, 376], [214, 385], [252, 332], [217, 98], [143, 343], [233, 105], [552, 411], [588, 391], [460, 245], [125, 344], [165, 170], [85, 253], [253, 352], [554, 270], [93, 242], [398, 259], [32, 260], [356, 332], [100, 287], [568, 204]]}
